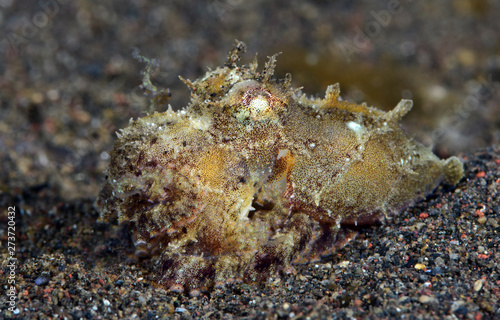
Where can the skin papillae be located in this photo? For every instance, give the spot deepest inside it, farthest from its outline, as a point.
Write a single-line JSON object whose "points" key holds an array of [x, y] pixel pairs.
{"points": [[251, 177]]}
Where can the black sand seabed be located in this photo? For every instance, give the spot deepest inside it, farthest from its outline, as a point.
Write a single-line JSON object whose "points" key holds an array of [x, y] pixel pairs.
{"points": [[68, 82]]}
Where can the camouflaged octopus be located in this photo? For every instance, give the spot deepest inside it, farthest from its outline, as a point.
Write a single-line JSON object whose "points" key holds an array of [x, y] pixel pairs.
{"points": [[252, 177]]}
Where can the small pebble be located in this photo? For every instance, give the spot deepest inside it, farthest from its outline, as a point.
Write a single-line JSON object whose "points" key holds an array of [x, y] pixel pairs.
{"points": [[344, 264], [41, 281], [420, 266], [439, 261], [478, 285], [425, 299], [180, 310], [436, 271]]}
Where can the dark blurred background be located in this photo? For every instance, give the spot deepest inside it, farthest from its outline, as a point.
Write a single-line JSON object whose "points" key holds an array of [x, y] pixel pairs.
{"points": [[69, 81]]}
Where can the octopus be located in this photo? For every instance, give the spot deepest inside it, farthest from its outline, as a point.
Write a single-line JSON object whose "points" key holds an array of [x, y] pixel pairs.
{"points": [[252, 177]]}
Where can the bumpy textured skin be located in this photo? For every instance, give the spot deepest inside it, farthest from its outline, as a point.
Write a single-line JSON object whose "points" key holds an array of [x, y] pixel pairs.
{"points": [[250, 177]]}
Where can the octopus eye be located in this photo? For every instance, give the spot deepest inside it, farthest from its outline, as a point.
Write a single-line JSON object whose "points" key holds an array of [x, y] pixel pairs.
{"points": [[258, 104], [257, 100], [252, 101]]}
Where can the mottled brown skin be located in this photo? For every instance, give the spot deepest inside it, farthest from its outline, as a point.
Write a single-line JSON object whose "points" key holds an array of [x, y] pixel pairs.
{"points": [[251, 177]]}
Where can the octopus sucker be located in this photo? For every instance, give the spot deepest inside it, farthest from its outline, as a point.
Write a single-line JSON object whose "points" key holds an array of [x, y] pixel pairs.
{"points": [[251, 177]]}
